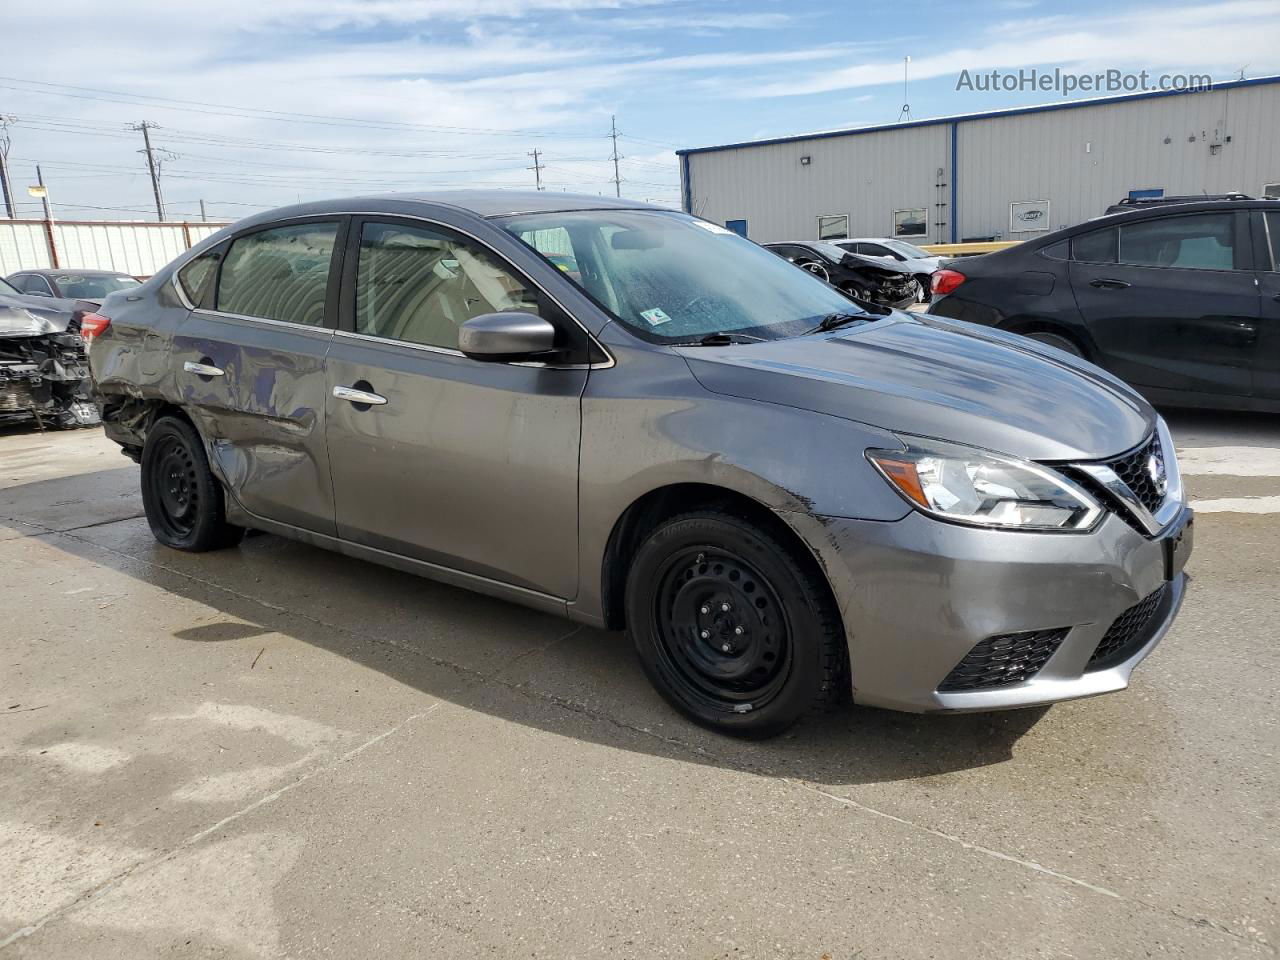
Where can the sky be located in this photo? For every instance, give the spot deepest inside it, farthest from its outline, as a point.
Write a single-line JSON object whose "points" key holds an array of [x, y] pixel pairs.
{"points": [[260, 103]]}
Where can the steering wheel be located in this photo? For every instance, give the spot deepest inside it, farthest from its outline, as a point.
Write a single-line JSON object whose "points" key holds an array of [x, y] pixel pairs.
{"points": [[817, 269]]}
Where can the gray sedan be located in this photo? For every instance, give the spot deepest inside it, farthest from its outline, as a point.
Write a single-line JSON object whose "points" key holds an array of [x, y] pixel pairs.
{"points": [[636, 419]]}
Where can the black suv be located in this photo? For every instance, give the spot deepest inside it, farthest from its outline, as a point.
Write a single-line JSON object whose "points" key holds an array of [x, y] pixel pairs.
{"points": [[1180, 300]]}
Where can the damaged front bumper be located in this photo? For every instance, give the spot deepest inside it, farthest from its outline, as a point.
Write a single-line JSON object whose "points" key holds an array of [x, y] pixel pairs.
{"points": [[45, 377]]}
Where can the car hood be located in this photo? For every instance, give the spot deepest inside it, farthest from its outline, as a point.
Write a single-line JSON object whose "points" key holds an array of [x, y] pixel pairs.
{"points": [[941, 379], [880, 263], [16, 312]]}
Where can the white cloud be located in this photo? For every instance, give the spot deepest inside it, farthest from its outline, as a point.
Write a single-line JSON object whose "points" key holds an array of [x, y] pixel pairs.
{"points": [[1214, 37]]}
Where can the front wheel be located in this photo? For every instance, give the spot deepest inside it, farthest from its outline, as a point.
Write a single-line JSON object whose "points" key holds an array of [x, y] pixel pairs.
{"points": [[733, 627], [182, 499]]}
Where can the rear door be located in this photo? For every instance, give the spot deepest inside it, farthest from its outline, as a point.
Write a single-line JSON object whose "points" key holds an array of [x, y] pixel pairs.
{"points": [[249, 365], [466, 464], [1171, 301], [1266, 373]]}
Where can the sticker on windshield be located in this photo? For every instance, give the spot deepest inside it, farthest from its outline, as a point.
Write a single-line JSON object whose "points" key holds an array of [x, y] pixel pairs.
{"points": [[713, 227], [655, 317]]}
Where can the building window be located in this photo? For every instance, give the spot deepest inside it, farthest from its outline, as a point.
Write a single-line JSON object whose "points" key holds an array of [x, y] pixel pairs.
{"points": [[833, 227], [909, 223], [737, 226]]}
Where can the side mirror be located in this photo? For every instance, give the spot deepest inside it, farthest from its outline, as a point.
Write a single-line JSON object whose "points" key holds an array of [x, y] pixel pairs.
{"points": [[506, 336]]}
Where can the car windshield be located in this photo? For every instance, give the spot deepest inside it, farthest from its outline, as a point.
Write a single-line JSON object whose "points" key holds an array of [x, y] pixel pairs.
{"points": [[93, 286], [675, 279]]}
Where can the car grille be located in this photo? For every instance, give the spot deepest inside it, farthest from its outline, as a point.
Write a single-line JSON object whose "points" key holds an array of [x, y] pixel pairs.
{"points": [[1134, 469], [1127, 633], [1000, 661]]}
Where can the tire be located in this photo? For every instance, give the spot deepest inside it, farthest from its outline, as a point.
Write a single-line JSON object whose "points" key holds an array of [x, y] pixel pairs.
{"points": [[183, 500], [1064, 344], [857, 292], [777, 654]]}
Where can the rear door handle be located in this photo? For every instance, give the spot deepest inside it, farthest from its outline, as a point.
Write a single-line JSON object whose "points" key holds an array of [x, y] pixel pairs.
{"points": [[203, 369], [359, 397], [1108, 284]]}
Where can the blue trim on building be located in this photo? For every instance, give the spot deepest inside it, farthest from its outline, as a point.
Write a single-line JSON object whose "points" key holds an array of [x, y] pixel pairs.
{"points": [[953, 215], [961, 118]]}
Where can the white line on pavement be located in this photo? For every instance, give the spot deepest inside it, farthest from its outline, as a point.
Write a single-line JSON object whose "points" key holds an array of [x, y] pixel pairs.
{"points": [[1231, 461], [1238, 505]]}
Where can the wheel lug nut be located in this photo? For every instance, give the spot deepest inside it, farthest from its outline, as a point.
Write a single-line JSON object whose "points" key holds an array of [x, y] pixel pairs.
{"points": [[724, 608], [705, 609], [739, 631], [726, 648], [706, 634]]}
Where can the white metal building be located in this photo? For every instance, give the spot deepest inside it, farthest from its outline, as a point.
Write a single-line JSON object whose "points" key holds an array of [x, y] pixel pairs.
{"points": [[1006, 175]]}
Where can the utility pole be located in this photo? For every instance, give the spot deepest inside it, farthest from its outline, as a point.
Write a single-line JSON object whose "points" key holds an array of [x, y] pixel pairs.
{"points": [[203, 214], [5, 186], [43, 191], [537, 168], [617, 177], [905, 112], [145, 126]]}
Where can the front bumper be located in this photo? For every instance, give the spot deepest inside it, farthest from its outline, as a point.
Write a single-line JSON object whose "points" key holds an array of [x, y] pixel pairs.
{"points": [[917, 595]]}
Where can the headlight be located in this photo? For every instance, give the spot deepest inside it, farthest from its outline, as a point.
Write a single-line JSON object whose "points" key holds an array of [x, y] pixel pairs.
{"points": [[971, 486], [20, 323]]}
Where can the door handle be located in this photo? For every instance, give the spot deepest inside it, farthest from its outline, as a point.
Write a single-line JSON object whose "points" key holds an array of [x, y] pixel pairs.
{"points": [[203, 369], [1107, 283], [359, 397]]}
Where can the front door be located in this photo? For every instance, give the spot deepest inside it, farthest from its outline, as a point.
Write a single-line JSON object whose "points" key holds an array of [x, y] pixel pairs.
{"points": [[249, 364], [1171, 301], [466, 464]]}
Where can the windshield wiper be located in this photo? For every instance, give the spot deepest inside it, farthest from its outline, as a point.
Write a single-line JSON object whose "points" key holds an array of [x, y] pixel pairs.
{"points": [[720, 339], [833, 320]]}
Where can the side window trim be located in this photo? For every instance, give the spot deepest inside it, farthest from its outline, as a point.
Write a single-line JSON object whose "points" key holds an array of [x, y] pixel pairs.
{"points": [[351, 261], [209, 300]]}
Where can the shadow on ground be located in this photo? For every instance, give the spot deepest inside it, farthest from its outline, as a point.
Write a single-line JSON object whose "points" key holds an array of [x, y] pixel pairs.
{"points": [[545, 659]]}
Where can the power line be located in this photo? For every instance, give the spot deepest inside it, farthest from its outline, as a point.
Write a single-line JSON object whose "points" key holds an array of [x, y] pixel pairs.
{"points": [[152, 166]]}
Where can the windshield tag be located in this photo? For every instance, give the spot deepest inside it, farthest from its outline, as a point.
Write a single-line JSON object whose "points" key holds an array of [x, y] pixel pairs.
{"points": [[655, 317], [712, 227]]}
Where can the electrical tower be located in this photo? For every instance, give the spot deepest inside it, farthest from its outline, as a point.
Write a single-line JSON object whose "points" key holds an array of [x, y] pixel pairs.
{"points": [[615, 157], [905, 112], [537, 168]]}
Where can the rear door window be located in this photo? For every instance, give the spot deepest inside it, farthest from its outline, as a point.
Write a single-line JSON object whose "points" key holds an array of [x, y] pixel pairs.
{"points": [[1272, 224], [1098, 246], [279, 274], [1198, 242]]}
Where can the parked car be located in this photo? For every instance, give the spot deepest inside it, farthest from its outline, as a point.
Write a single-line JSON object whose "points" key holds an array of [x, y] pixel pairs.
{"points": [[90, 286], [864, 278], [786, 497], [44, 371], [921, 264], [1182, 300]]}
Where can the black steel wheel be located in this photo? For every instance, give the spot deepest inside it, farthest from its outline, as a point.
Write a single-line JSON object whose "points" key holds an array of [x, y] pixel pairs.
{"points": [[182, 499], [733, 628]]}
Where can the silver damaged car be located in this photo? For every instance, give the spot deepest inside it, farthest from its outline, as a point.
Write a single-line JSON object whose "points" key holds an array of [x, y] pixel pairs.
{"points": [[636, 419]]}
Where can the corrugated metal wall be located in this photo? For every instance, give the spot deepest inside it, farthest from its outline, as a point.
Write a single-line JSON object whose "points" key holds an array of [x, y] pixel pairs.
{"points": [[1080, 159], [137, 248], [867, 177]]}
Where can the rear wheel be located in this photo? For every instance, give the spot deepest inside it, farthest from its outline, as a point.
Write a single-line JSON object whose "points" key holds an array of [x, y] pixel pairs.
{"points": [[1065, 344], [734, 629], [182, 499]]}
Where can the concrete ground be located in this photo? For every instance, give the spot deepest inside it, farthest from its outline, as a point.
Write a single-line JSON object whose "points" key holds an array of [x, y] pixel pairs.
{"points": [[276, 751]]}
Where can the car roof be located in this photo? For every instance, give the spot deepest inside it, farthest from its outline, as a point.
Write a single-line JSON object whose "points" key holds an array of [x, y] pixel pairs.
{"points": [[481, 203], [1157, 210], [72, 272]]}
